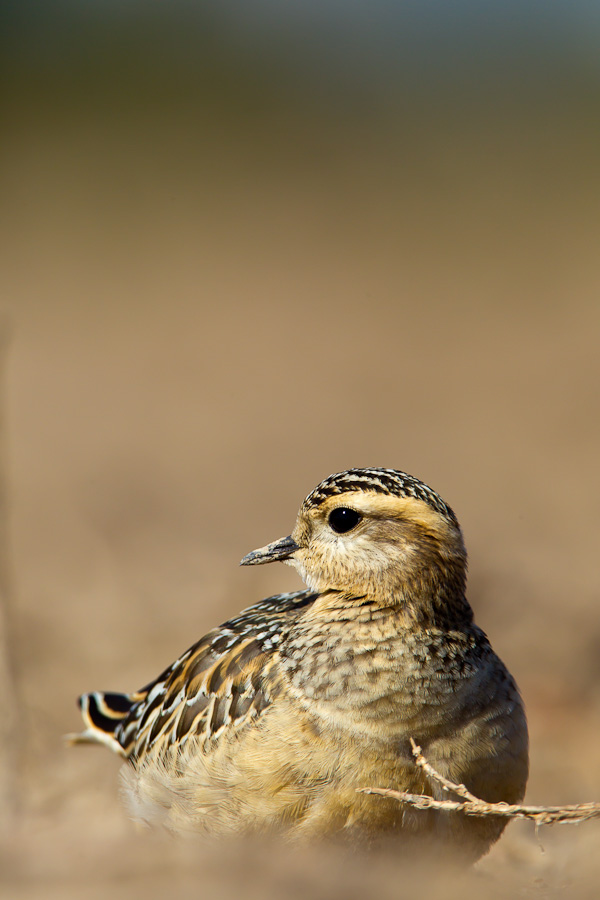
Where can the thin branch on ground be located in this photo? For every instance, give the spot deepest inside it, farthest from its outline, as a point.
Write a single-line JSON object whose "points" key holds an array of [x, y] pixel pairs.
{"points": [[471, 805]]}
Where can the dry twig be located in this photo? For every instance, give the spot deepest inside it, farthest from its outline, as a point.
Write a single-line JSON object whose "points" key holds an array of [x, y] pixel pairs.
{"points": [[471, 805]]}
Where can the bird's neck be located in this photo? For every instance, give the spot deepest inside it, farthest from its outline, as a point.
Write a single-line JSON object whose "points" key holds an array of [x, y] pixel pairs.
{"points": [[431, 596], [435, 597]]}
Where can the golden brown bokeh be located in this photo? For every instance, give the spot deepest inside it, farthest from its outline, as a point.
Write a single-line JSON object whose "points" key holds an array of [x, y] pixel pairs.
{"points": [[227, 275]]}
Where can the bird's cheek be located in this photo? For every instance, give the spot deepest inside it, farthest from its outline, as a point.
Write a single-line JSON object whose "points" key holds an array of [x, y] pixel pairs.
{"points": [[307, 569], [297, 561]]}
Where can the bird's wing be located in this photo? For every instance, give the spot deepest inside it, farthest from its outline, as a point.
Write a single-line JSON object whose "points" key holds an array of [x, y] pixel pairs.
{"points": [[220, 682]]}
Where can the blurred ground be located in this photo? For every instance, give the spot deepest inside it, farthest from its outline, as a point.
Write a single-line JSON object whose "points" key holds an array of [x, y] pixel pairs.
{"points": [[210, 310]]}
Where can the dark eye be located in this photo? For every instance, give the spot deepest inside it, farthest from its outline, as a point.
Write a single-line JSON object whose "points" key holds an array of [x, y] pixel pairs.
{"points": [[343, 519]]}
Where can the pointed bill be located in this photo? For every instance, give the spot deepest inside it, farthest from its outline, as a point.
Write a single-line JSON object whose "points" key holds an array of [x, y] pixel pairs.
{"points": [[277, 551]]}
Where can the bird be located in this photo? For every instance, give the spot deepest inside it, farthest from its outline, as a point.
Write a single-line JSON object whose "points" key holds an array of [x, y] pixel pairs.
{"points": [[278, 720]]}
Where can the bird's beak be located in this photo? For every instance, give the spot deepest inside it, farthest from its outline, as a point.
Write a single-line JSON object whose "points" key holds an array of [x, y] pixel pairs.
{"points": [[278, 550]]}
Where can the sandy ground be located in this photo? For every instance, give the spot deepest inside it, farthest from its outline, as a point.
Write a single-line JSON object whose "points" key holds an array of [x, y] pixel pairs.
{"points": [[203, 326]]}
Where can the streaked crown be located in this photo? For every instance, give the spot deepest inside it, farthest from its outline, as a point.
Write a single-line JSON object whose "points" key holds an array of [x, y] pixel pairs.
{"points": [[383, 481]]}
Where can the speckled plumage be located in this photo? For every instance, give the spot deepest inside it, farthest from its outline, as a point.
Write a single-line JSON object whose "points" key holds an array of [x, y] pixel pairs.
{"points": [[276, 719]]}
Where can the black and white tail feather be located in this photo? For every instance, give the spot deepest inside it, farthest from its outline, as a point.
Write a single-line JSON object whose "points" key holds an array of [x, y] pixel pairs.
{"points": [[103, 713]]}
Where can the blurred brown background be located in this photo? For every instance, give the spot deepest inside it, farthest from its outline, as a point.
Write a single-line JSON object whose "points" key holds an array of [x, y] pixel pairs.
{"points": [[244, 248]]}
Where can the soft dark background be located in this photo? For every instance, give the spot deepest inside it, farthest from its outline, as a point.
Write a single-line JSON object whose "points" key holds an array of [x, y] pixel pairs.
{"points": [[245, 246]]}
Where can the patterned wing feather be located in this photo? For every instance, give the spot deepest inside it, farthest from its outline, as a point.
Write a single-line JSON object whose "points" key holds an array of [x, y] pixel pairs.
{"points": [[219, 682]]}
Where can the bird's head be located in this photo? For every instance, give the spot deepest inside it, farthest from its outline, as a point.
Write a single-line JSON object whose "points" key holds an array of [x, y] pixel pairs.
{"points": [[374, 532]]}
